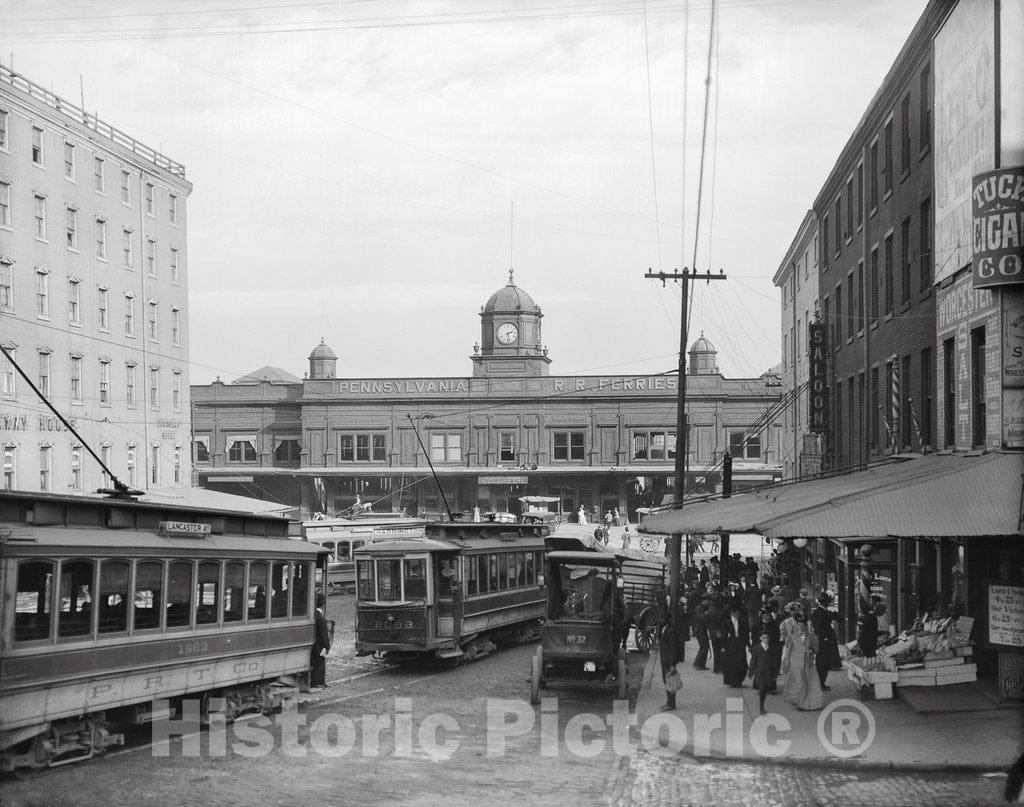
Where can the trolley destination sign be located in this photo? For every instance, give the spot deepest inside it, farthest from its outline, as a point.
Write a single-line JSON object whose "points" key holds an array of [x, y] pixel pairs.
{"points": [[186, 529]]}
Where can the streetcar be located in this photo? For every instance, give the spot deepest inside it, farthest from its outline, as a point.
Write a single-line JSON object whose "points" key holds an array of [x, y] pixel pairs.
{"points": [[340, 537], [451, 594], [113, 610]]}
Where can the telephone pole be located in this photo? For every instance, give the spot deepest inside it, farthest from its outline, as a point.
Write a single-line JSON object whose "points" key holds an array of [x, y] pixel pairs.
{"points": [[682, 432]]}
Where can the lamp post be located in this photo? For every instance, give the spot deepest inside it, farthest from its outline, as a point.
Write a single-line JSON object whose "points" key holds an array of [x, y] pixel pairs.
{"points": [[801, 544]]}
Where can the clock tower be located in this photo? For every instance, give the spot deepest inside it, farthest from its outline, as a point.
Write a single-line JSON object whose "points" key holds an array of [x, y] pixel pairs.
{"points": [[510, 343]]}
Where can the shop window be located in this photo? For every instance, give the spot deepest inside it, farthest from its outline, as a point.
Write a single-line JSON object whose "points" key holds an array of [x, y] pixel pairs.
{"points": [[201, 449]]}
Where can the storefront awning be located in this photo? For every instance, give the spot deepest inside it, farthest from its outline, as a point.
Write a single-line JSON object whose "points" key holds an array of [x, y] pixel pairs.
{"points": [[908, 496]]}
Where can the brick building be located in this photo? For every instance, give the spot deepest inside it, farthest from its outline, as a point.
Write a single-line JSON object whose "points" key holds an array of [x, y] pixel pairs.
{"points": [[93, 298]]}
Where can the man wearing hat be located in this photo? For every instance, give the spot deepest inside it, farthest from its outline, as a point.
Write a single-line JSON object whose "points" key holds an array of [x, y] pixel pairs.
{"points": [[762, 669], [824, 625], [806, 601], [321, 647], [779, 599]]}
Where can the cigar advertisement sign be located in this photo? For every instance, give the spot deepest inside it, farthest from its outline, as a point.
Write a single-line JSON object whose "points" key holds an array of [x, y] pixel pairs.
{"points": [[997, 203]]}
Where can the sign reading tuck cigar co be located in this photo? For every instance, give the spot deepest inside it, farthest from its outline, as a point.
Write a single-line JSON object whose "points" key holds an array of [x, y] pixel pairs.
{"points": [[817, 377], [998, 207]]}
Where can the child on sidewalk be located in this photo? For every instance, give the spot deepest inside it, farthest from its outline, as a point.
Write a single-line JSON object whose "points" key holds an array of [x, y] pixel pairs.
{"points": [[761, 672]]}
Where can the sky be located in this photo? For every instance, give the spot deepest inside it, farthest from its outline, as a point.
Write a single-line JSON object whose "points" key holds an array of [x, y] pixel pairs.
{"points": [[367, 171]]}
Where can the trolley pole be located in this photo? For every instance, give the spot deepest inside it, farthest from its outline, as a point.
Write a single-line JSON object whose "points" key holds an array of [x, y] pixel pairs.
{"points": [[682, 434]]}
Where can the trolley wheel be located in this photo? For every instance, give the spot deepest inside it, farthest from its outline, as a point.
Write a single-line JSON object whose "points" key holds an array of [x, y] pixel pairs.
{"points": [[621, 682], [535, 670]]}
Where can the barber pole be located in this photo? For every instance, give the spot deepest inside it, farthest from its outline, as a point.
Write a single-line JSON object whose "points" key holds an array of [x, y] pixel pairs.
{"points": [[895, 414]]}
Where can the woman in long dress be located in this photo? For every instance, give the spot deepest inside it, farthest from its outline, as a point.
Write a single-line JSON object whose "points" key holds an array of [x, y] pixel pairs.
{"points": [[801, 686]]}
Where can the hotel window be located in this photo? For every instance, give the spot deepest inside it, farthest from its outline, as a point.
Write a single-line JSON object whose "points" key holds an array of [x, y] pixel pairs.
{"points": [[890, 269], [101, 239], [42, 293], [76, 468], [129, 384], [905, 261], [175, 326], [839, 315], [905, 135], [824, 242], [978, 387], [874, 285], [744, 446], [8, 386], [69, 160], [177, 465], [97, 174], [174, 265], [37, 145], [925, 101], [154, 464], [849, 208], [506, 446], [850, 304], [172, 208], [567, 446], [837, 223], [654, 445], [102, 302], [445, 447], [201, 449], [131, 465], [104, 381], [72, 228], [287, 451], [126, 188], [44, 468], [10, 467], [5, 204], [151, 257], [887, 166], [860, 194], [4, 142], [176, 389], [74, 302], [76, 379], [126, 248], [242, 449], [149, 199], [105, 459], [925, 245], [154, 386], [44, 372], [129, 315], [873, 180], [6, 285], [152, 328], [40, 216]]}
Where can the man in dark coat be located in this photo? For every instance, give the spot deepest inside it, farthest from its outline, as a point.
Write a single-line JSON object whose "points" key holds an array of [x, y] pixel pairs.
{"points": [[761, 669], [735, 640], [770, 625], [321, 646], [704, 573], [672, 650], [867, 633], [824, 625], [698, 608], [753, 601]]}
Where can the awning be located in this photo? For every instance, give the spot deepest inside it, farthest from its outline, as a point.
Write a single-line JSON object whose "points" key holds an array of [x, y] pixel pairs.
{"points": [[950, 495]]}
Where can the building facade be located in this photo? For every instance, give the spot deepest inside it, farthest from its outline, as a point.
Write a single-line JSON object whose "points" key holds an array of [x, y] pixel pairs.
{"points": [[797, 277], [509, 430], [93, 299]]}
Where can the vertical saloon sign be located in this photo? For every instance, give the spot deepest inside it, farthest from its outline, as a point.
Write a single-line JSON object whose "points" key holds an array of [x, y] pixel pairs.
{"points": [[816, 382], [998, 206]]}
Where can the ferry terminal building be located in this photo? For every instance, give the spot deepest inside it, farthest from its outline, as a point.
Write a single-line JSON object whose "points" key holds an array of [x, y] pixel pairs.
{"points": [[324, 443]]}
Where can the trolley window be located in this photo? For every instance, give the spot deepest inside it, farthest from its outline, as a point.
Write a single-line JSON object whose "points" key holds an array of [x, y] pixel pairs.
{"points": [[300, 589], [366, 582], [149, 599], [113, 599], [492, 572], [389, 582], [257, 591], [76, 588], [234, 591], [179, 588], [471, 576], [207, 585], [415, 579], [481, 566], [530, 574], [32, 603], [511, 569], [279, 583], [503, 570]]}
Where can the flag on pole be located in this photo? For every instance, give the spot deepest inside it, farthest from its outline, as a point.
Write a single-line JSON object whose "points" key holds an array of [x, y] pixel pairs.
{"points": [[917, 423]]}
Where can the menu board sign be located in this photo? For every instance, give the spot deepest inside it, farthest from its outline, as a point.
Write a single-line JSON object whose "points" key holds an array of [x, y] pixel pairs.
{"points": [[1006, 616]]}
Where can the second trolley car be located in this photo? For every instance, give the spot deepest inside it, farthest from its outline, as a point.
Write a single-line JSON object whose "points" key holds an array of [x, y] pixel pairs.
{"points": [[451, 594]]}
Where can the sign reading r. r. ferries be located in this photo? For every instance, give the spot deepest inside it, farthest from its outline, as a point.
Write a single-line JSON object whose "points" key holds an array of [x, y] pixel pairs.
{"points": [[184, 528]]}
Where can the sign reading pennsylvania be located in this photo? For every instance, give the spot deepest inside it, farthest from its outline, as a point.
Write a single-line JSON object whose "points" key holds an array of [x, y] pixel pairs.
{"points": [[817, 382], [998, 207]]}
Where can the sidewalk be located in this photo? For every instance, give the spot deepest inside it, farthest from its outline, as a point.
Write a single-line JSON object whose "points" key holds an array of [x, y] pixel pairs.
{"points": [[903, 739]]}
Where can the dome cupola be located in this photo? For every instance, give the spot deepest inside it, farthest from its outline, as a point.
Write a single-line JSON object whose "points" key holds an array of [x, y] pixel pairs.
{"points": [[703, 357], [322, 361], [510, 341]]}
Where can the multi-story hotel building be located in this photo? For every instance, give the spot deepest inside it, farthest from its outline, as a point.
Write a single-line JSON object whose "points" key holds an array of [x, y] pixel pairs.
{"points": [[93, 299], [509, 430]]}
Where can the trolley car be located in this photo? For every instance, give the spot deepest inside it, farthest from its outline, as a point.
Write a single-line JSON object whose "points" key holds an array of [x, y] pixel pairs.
{"points": [[452, 593], [109, 605]]}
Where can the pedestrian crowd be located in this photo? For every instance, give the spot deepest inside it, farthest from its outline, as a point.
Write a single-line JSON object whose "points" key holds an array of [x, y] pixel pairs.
{"points": [[783, 641]]}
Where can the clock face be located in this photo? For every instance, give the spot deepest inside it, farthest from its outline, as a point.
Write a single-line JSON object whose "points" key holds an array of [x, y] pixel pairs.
{"points": [[507, 333]]}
